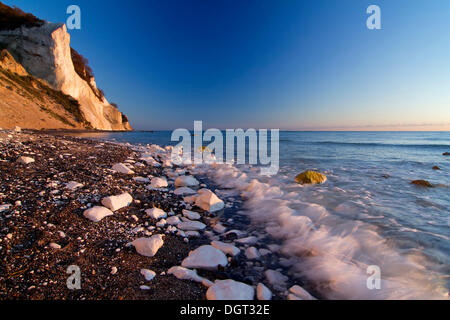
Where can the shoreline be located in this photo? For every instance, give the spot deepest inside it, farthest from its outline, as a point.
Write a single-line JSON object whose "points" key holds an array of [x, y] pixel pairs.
{"points": [[45, 230]]}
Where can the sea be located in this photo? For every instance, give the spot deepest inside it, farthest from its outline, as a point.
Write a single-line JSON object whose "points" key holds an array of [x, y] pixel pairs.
{"points": [[366, 223]]}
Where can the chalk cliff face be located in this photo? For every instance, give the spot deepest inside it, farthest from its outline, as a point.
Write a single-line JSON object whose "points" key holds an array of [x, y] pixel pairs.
{"points": [[45, 53]]}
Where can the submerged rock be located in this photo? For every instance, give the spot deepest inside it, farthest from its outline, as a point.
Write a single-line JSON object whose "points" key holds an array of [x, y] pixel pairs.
{"points": [[226, 248], [205, 257], [230, 290], [301, 293], [422, 183], [73, 185], [186, 181], [446, 154], [148, 247], [310, 177], [184, 191], [97, 213], [436, 168]]}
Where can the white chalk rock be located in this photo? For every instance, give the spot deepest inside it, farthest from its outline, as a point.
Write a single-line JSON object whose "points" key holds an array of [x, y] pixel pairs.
{"points": [[249, 240], [25, 160], [17, 129], [191, 215], [226, 248], [186, 181], [148, 247], [173, 221], [230, 290], [159, 183], [141, 179], [183, 191], [54, 245], [121, 168], [301, 293], [252, 253], [73, 185], [191, 226], [263, 293], [97, 213], [205, 257], [219, 228], [185, 274], [276, 279], [161, 223], [208, 201], [156, 213], [118, 202], [148, 274]]}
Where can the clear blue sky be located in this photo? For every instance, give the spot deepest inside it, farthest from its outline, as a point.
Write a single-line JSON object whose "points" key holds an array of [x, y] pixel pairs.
{"points": [[267, 64]]}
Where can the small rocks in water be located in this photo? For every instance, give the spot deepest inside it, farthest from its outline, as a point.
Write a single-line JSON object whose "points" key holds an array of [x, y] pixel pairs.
{"points": [[310, 177], [301, 293], [97, 213], [191, 226], [205, 257], [148, 247], [118, 202], [276, 279], [148, 274], [185, 274], [25, 160], [446, 154], [191, 215], [156, 213], [226, 248], [114, 270], [263, 293], [186, 181], [183, 191], [208, 201], [121, 168], [73, 185], [422, 183], [54, 245], [159, 183], [230, 290], [252, 253], [436, 168]]}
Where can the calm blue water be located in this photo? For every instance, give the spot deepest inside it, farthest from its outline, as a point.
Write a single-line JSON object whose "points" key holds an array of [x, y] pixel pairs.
{"points": [[369, 175]]}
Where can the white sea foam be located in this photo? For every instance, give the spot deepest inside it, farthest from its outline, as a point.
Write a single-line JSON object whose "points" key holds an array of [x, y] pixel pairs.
{"points": [[330, 252]]}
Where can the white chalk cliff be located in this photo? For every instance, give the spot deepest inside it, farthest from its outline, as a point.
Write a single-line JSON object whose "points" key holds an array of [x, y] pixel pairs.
{"points": [[45, 53]]}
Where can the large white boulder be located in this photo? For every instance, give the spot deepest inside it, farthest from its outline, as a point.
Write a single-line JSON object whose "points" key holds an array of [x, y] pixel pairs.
{"points": [[186, 181], [191, 226], [208, 201], [25, 160], [118, 202], [121, 168], [230, 290], [205, 257], [97, 213], [159, 183], [156, 213], [226, 248], [148, 247], [185, 274]]}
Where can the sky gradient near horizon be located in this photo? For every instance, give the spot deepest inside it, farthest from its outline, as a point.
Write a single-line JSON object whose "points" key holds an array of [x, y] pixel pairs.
{"points": [[293, 65]]}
